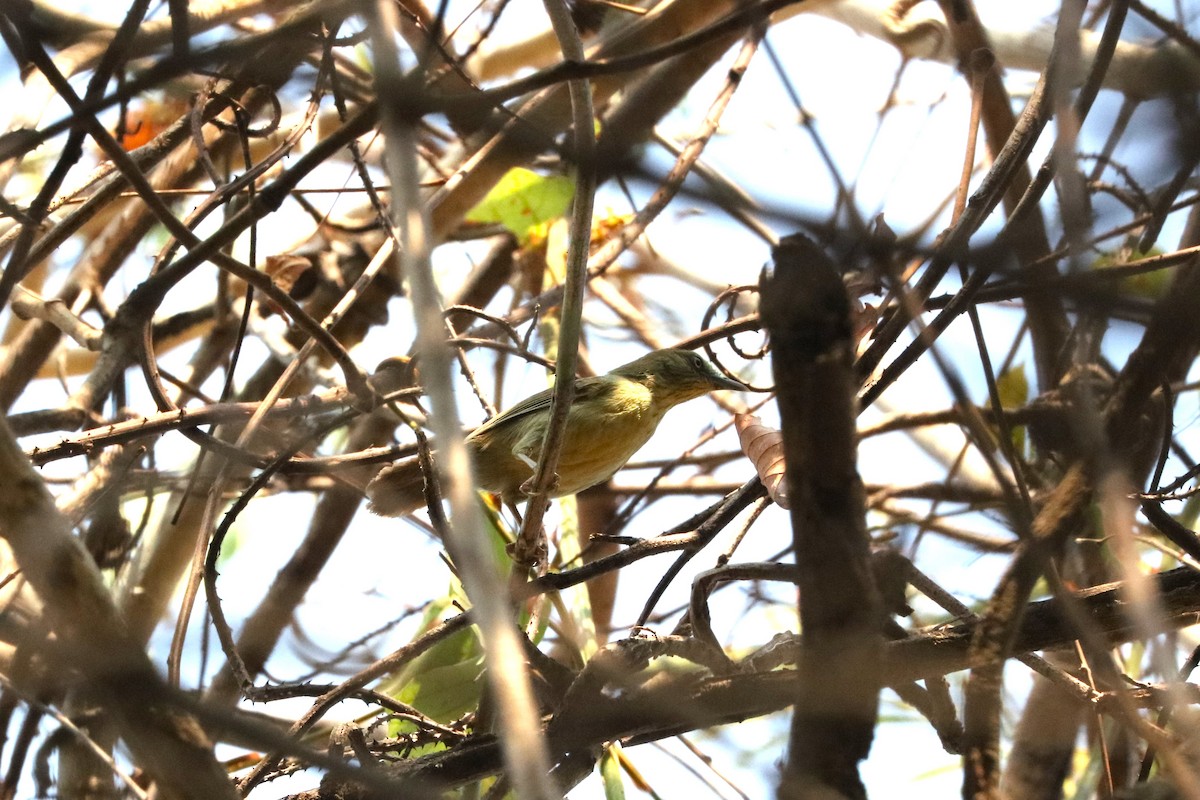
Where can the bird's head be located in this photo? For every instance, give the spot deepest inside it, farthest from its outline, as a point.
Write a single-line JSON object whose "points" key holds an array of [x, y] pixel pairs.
{"points": [[675, 376]]}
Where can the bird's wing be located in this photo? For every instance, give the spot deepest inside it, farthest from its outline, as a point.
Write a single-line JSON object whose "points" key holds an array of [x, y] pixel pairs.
{"points": [[585, 388]]}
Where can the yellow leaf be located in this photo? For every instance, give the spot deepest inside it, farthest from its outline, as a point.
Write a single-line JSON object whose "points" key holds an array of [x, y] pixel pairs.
{"points": [[523, 201]]}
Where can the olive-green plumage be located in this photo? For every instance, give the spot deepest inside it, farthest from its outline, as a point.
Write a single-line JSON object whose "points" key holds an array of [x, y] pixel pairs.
{"points": [[610, 419]]}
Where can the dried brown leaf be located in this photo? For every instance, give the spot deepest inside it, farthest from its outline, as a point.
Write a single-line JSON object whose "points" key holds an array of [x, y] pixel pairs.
{"points": [[763, 445]]}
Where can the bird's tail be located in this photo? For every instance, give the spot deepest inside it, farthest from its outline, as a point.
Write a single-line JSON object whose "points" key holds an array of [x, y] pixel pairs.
{"points": [[398, 489]]}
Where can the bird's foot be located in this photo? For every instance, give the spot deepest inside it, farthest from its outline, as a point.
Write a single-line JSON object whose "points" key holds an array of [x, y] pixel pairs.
{"points": [[526, 488]]}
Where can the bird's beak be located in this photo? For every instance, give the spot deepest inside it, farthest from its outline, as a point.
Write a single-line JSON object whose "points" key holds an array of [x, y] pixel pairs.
{"points": [[721, 382]]}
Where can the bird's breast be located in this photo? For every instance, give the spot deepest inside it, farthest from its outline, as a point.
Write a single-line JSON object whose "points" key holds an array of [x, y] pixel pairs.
{"points": [[596, 446]]}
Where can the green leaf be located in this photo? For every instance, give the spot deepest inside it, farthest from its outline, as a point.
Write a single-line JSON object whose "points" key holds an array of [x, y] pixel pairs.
{"points": [[524, 201], [610, 774], [445, 682], [578, 626], [448, 692]]}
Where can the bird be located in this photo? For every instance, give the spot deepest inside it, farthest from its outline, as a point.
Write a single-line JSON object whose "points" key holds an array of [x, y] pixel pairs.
{"points": [[610, 418]]}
